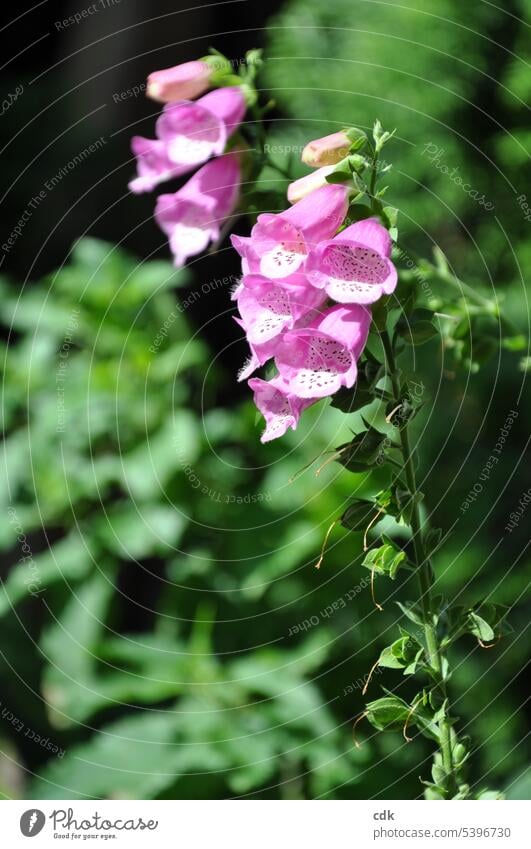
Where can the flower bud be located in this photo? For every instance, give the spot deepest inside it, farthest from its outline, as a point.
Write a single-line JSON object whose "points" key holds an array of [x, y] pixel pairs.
{"points": [[326, 151], [302, 187], [182, 82]]}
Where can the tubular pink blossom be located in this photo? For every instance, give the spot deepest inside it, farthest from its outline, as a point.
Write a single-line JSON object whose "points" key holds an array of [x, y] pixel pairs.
{"points": [[280, 409], [182, 82], [354, 267], [317, 360], [153, 165], [188, 134], [268, 308], [191, 217], [279, 244]]}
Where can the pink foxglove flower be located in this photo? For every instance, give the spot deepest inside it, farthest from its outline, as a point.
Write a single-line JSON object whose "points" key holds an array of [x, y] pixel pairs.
{"points": [[279, 408], [182, 82], [328, 150], [191, 217], [268, 308], [317, 360], [304, 185], [188, 134], [354, 267], [152, 164], [280, 243]]}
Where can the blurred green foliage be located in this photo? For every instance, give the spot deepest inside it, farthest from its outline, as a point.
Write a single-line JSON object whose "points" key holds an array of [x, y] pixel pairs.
{"points": [[179, 642], [113, 479]]}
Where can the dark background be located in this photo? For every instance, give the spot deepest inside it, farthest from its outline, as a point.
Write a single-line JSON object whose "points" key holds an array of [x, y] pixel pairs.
{"points": [[70, 74]]}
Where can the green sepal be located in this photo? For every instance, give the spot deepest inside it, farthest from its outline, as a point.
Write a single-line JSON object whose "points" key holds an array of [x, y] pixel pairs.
{"points": [[433, 792], [496, 795], [358, 515], [480, 628], [406, 502], [385, 560], [363, 451], [357, 212], [387, 713], [356, 137], [400, 653]]}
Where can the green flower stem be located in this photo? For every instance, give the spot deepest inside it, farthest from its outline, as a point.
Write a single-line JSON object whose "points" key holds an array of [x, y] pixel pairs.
{"points": [[374, 174], [425, 577]]}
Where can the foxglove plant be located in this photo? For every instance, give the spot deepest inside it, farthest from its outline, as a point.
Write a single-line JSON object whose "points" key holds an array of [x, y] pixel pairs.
{"points": [[323, 300]]}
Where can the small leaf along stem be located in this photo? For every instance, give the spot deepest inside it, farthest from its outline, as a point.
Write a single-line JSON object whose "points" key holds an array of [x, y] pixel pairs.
{"points": [[425, 579]]}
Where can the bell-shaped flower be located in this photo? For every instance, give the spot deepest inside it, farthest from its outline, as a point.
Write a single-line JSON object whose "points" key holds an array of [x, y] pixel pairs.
{"points": [[354, 267], [192, 217], [182, 82], [268, 308], [279, 408], [280, 243], [188, 134], [317, 360], [153, 165]]}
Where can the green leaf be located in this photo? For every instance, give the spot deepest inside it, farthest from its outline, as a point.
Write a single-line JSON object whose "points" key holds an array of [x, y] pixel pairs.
{"points": [[134, 531], [417, 328], [358, 212], [390, 214], [338, 177], [68, 560], [133, 757], [350, 400], [69, 647], [515, 343], [412, 611]]}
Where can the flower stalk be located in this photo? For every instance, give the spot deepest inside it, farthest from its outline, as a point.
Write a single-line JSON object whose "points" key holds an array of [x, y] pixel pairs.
{"points": [[425, 577]]}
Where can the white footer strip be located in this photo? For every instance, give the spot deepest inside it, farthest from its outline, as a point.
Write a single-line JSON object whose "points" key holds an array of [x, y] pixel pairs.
{"points": [[265, 824]]}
